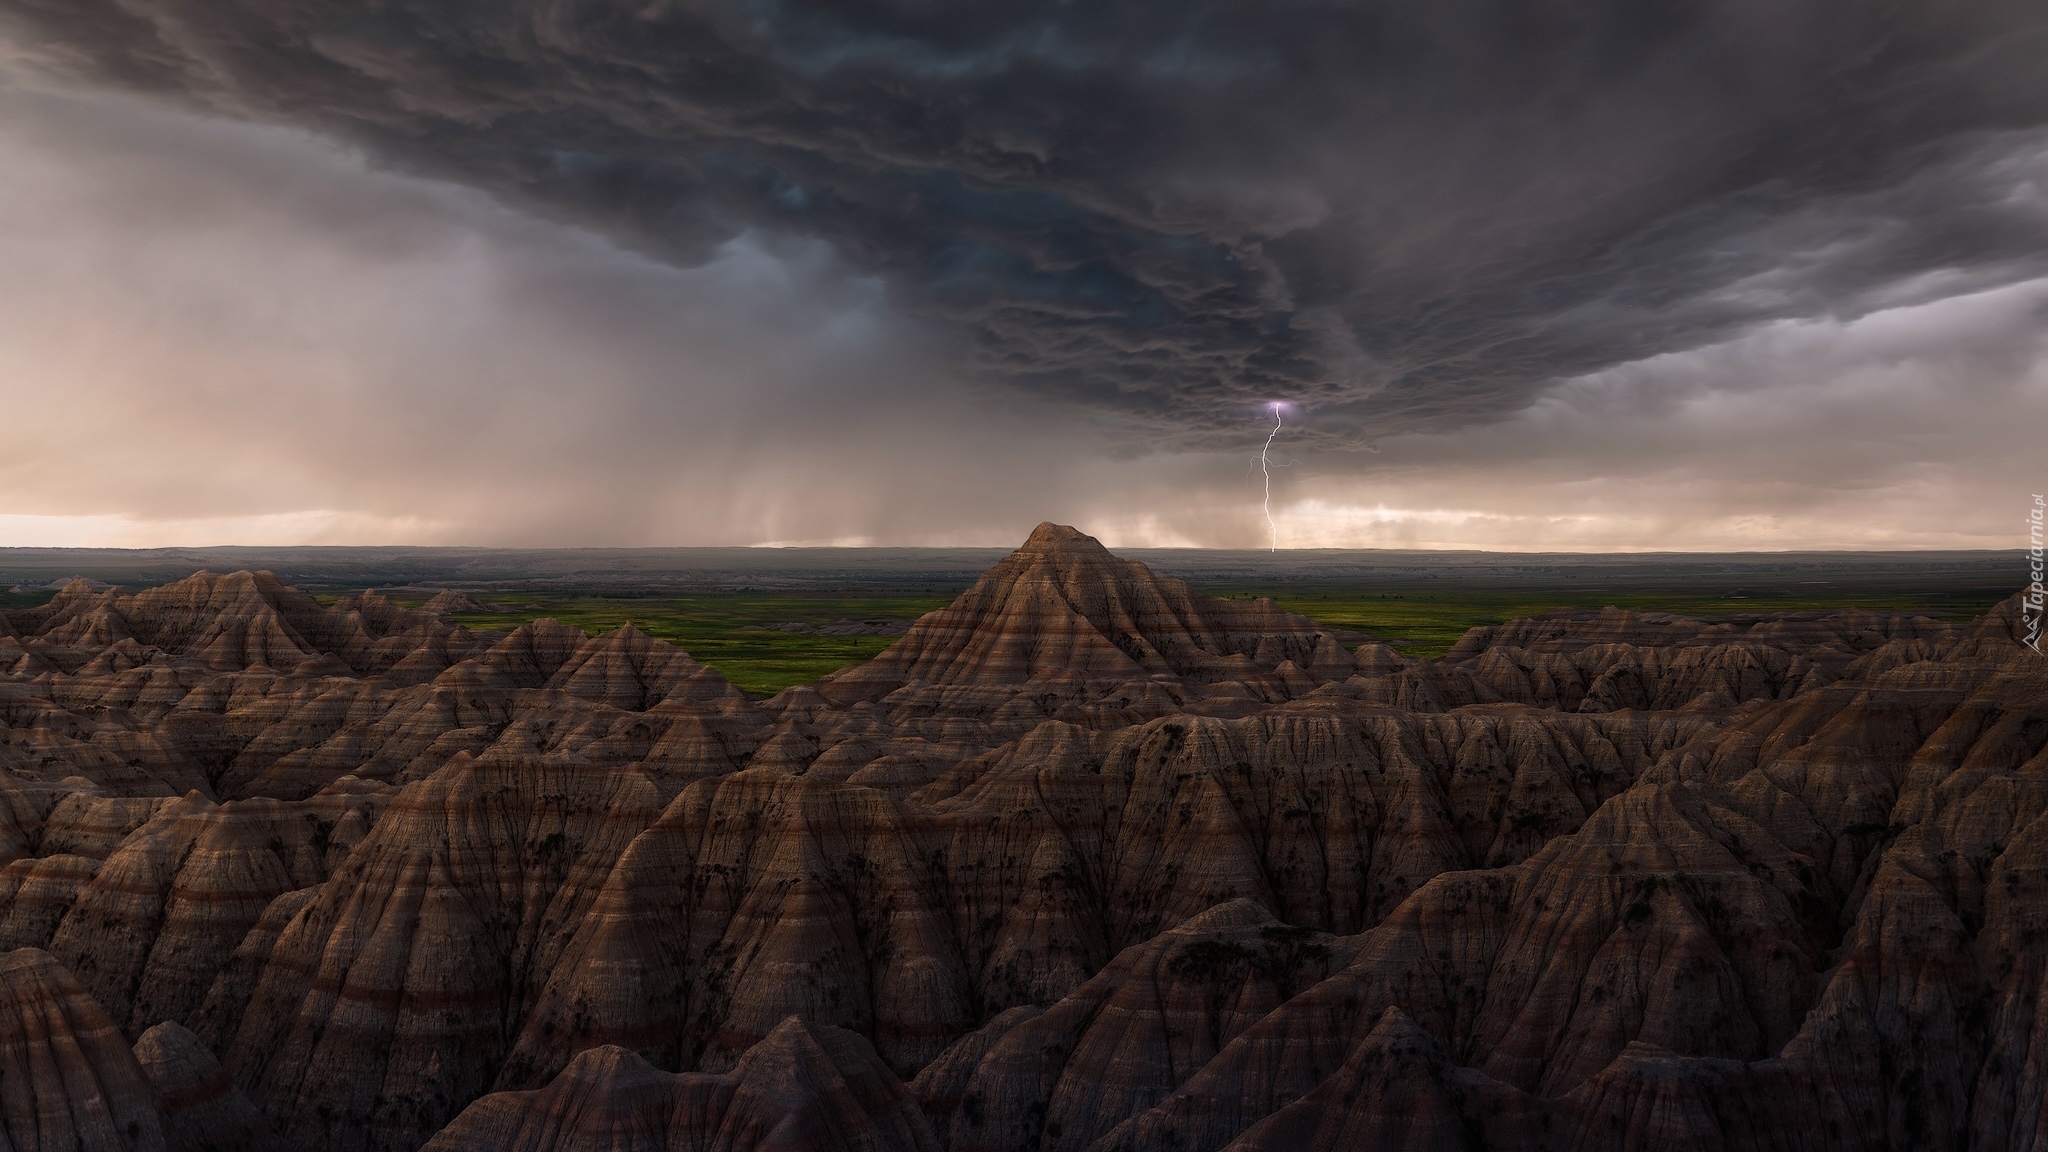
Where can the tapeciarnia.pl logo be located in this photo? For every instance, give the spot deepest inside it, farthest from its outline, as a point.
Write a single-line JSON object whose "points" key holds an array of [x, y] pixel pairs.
{"points": [[2037, 596]]}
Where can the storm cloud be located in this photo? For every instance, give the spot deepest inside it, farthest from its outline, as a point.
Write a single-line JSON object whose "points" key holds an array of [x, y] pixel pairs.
{"points": [[1531, 275], [1407, 217]]}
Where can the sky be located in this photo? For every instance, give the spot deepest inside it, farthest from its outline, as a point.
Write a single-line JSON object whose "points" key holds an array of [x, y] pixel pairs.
{"points": [[1580, 275]]}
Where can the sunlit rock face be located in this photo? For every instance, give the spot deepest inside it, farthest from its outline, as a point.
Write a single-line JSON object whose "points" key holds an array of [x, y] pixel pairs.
{"points": [[1086, 862]]}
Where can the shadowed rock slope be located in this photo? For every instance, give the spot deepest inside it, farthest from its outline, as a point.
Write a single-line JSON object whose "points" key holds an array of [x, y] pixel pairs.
{"points": [[1084, 862], [803, 1088]]}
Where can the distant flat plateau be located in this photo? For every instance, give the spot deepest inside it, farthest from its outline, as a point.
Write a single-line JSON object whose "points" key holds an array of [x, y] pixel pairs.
{"points": [[839, 568]]}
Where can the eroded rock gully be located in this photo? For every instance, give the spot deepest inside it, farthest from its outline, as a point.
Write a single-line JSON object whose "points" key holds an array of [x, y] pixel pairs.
{"points": [[1084, 862]]}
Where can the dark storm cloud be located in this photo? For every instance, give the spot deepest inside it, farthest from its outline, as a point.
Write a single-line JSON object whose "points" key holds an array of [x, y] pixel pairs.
{"points": [[1409, 216]]}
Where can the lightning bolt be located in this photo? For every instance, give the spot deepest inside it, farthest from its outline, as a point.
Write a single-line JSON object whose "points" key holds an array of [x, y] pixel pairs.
{"points": [[1266, 468]]}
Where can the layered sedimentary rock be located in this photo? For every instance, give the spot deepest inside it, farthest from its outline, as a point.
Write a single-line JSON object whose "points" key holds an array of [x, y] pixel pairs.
{"points": [[1020, 873], [802, 1088], [203, 1109], [1124, 1040], [152, 927], [67, 1077], [1061, 623], [1085, 862], [1736, 928], [389, 999]]}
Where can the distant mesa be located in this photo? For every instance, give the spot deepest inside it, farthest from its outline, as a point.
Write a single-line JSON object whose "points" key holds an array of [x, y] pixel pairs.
{"points": [[1082, 861], [835, 628]]}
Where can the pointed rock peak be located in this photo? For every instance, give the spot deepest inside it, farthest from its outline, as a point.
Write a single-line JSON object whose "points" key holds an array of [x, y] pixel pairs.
{"points": [[1241, 913], [2010, 617], [208, 590], [535, 651], [24, 962], [611, 1064], [792, 1032], [1049, 537], [176, 1061], [790, 1044], [546, 630], [1397, 1028], [241, 582], [1062, 607], [629, 642], [1054, 741], [1074, 567], [75, 591], [1067, 555], [796, 1043], [204, 1106], [449, 600]]}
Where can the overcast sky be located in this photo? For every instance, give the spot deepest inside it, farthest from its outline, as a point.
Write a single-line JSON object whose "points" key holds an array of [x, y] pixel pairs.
{"points": [[1526, 274]]}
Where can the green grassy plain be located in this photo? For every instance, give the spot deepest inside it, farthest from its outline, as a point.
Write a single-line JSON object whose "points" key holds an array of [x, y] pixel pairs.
{"points": [[1421, 614], [33, 599], [1423, 620], [713, 627], [1427, 621]]}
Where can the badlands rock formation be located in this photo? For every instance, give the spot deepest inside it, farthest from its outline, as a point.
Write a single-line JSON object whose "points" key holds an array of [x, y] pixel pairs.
{"points": [[1084, 862]]}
